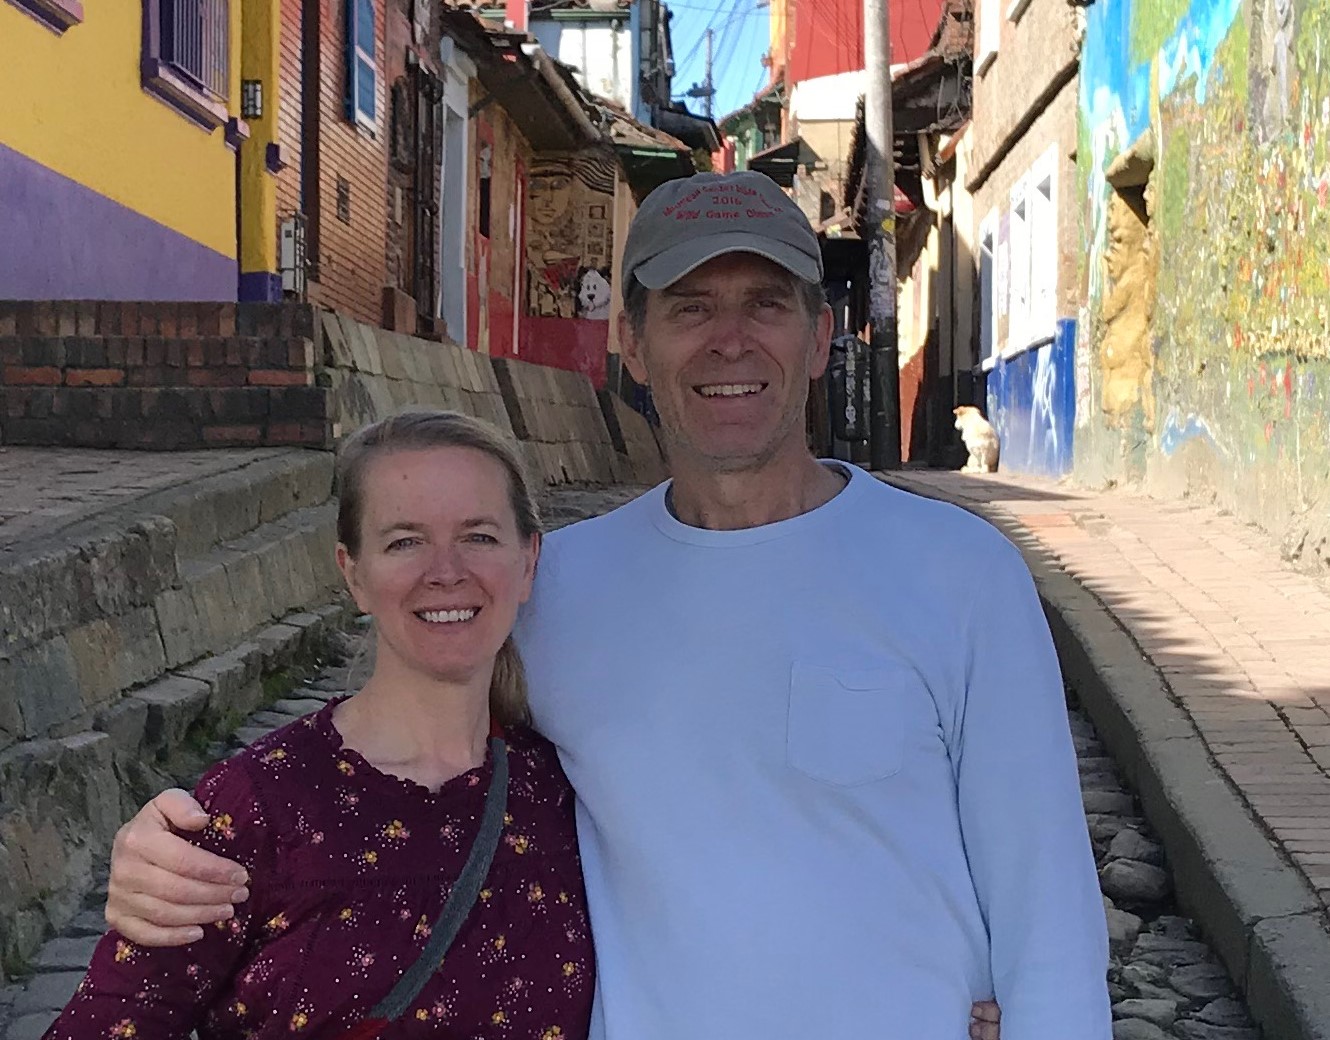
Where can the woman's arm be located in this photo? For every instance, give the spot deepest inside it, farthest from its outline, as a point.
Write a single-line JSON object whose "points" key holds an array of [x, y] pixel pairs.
{"points": [[133, 992], [164, 889]]}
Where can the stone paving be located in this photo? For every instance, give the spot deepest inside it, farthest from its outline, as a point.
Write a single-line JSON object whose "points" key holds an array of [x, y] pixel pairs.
{"points": [[45, 489], [1165, 982], [1241, 638]]}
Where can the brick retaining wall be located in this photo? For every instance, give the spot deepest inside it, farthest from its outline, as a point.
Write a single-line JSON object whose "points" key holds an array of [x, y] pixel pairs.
{"points": [[170, 376]]}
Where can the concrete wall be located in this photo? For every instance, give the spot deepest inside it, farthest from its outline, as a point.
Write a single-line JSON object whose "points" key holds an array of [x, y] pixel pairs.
{"points": [[372, 373], [1204, 352], [556, 416]]}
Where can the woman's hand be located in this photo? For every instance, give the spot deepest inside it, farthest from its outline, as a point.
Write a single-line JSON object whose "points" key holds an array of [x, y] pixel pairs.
{"points": [[162, 888]]}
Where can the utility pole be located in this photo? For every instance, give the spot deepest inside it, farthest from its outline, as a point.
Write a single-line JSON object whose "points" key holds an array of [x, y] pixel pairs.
{"points": [[705, 90], [880, 189], [711, 91]]}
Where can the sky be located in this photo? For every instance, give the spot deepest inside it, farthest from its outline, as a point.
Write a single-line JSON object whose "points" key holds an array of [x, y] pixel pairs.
{"points": [[741, 37]]}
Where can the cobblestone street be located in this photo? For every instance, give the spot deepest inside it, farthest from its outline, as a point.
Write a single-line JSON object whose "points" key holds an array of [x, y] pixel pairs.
{"points": [[1165, 981]]}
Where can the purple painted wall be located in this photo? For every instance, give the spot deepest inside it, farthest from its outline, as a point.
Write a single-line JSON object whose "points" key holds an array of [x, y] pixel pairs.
{"points": [[62, 241]]}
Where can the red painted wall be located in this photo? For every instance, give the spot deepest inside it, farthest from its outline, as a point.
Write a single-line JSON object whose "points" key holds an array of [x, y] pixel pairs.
{"points": [[828, 35], [578, 344]]}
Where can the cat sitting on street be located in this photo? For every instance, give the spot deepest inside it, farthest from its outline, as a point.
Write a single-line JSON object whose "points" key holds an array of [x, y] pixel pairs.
{"points": [[981, 440]]}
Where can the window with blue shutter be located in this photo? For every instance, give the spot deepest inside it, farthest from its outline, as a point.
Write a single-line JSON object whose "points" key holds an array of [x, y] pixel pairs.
{"points": [[360, 74]]}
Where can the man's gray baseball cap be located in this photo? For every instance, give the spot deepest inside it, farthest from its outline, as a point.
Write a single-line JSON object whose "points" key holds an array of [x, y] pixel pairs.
{"points": [[684, 223]]}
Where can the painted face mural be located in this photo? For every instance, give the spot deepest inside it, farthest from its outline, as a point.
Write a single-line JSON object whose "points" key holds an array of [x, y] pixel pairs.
{"points": [[570, 237]]}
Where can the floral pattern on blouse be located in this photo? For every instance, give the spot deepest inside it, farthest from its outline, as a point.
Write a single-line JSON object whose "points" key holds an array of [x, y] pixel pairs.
{"points": [[350, 868]]}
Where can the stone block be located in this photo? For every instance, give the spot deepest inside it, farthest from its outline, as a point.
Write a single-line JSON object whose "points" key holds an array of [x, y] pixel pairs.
{"points": [[297, 707], [485, 368], [366, 349], [336, 350], [233, 679], [280, 643], [125, 723], [47, 992], [115, 654], [412, 367], [175, 703], [298, 483], [391, 355], [219, 618], [89, 922], [249, 591], [43, 593], [235, 505], [247, 735], [195, 520], [66, 954], [128, 568], [180, 626], [1286, 989], [31, 1026], [443, 365], [11, 720], [298, 586], [44, 679]]}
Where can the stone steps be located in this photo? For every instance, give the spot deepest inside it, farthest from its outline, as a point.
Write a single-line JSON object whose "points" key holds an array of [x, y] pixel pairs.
{"points": [[28, 1007], [130, 641]]}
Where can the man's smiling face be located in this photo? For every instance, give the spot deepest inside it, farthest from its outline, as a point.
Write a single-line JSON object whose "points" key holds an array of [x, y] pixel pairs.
{"points": [[728, 351]]}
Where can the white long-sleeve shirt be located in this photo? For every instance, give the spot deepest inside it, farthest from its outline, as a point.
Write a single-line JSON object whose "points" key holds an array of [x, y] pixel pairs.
{"points": [[826, 784]]}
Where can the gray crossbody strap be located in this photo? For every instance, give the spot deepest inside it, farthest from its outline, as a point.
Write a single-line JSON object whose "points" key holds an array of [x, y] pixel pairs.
{"points": [[462, 897]]}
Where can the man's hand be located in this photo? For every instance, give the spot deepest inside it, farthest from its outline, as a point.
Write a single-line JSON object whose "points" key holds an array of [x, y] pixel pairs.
{"points": [[162, 888], [984, 1019]]}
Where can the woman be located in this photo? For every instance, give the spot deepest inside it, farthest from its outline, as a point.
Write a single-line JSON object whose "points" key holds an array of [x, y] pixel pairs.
{"points": [[356, 823]]}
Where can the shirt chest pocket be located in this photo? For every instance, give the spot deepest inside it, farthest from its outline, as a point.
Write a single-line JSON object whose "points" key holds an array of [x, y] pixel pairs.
{"points": [[846, 725]]}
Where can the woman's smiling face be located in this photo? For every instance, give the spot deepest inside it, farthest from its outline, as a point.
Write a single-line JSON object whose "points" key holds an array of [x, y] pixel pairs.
{"points": [[441, 564]]}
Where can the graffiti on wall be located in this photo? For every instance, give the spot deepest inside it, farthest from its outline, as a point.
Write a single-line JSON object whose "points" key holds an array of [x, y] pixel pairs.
{"points": [[1030, 398], [570, 236], [1234, 357]]}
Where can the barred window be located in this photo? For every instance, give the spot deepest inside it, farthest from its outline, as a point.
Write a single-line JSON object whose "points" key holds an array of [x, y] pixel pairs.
{"points": [[195, 41], [187, 57]]}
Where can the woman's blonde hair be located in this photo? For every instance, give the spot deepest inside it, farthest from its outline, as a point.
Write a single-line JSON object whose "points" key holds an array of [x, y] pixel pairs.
{"points": [[443, 429]]}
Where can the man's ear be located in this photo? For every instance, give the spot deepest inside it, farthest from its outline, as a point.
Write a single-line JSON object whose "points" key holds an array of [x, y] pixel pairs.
{"points": [[822, 329], [630, 347]]}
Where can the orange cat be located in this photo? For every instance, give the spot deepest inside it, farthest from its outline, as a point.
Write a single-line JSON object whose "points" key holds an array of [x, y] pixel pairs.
{"points": [[981, 440]]}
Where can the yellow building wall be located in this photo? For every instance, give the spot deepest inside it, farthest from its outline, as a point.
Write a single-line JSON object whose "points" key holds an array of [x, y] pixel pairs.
{"points": [[260, 57], [75, 104]]}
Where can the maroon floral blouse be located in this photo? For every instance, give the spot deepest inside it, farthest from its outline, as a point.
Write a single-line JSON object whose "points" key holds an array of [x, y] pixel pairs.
{"points": [[350, 867]]}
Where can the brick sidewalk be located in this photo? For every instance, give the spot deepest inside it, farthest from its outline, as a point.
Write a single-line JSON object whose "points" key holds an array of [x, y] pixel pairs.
{"points": [[1242, 640]]}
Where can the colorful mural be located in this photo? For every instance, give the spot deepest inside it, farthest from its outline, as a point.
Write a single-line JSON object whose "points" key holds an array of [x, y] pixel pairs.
{"points": [[1231, 375]]}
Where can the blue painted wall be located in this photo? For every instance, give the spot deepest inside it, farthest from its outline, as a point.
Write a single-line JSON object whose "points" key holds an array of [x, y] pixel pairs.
{"points": [[1032, 404]]}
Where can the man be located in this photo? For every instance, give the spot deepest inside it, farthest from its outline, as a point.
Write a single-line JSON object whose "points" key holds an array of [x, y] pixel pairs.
{"points": [[826, 785]]}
